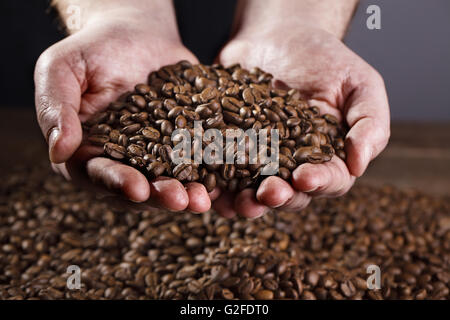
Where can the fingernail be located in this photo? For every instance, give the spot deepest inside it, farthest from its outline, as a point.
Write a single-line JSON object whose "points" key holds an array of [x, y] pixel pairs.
{"points": [[311, 190], [159, 185], [52, 139], [256, 217]]}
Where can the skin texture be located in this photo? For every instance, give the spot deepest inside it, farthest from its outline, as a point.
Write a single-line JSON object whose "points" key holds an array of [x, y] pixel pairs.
{"points": [[80, 76], [329, 75]]}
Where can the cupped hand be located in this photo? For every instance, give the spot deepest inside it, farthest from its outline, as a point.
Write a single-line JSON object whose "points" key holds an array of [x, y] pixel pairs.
{"points": [[78, 77], [330, 76]]}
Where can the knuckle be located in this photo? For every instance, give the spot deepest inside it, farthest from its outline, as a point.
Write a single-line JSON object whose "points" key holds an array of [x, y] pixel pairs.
{"points": [[48, 58]]}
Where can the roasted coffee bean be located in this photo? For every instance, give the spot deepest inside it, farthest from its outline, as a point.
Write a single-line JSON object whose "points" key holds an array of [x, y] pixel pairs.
{"points": [[232, 117], [136, 150], [142, 88], [208, 94], [210, 182], [287, 161], [115, 151], [231, 104], [220, 98], [190, 115], [182, 171], [131, 129], [114, 136], [100, 129], [166, 128], [139, 117], [151, 133], [180, 122], [227, 171], [284, 173], [303, 154], [98, 140], [183, 100], [159, 114], [138, 101], [165, 152], [155, 169], [204, 111]]}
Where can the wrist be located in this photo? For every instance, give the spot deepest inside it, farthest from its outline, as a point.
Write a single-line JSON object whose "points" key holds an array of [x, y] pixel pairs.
{"points": [[330, 16], [156, 16]]}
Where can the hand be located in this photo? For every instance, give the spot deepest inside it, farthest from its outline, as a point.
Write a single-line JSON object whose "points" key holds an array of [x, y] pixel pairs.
{"points": [[79, 76], [332, 77]]}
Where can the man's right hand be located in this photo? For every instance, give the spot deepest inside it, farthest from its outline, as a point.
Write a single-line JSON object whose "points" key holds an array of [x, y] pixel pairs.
{"points": [[78, 76]]}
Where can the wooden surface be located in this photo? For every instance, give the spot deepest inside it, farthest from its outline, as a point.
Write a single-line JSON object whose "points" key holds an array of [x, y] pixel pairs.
{"points": [[418, 154]]}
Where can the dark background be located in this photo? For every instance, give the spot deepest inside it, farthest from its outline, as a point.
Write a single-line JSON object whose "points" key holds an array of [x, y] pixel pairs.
{"points": [[411, 51]]}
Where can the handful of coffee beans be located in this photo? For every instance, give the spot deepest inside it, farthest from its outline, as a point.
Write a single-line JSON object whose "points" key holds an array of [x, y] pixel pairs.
{"points": [[142, 127]]}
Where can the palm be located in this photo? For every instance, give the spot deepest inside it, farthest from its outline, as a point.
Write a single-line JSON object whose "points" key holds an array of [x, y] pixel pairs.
{"points": [[331, 77], [115, 65], [319, 65]]}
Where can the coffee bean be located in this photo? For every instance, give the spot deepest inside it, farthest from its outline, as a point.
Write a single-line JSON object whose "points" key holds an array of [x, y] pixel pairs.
{"points": [[131, 129], [272, 116], [232, 117], [210, 182], [264, 295], [156, 169], [138, 101], [115, 151], [204, 111], [136, 150], [151, 133], [182, 171], [98, 140], [180, 122], [228, 171], [304, 154]]}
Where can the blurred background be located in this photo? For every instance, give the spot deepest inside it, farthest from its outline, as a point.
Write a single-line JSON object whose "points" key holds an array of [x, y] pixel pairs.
{"points": [[411, 51]]}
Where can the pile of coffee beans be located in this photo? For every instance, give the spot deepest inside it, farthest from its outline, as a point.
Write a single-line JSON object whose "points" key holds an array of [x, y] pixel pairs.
{"points": [[137, 129], [322, 252]]}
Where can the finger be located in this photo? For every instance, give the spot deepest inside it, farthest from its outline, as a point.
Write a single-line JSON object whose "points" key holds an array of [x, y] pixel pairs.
{"points": [[199, 200], [60, 168], [120, 203], [325, 179], [224, 205], [213, 195], [57, 105], [120, 178], [274, 192], [367, 114], [248, 206], [170, 193]]}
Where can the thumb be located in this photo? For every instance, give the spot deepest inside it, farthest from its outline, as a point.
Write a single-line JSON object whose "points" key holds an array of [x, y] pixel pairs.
{"points": [[57, 99], [367, 114]]}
